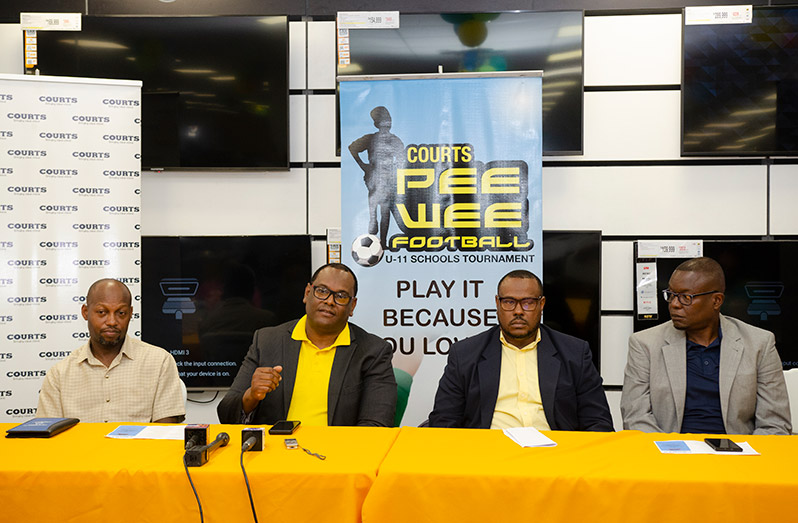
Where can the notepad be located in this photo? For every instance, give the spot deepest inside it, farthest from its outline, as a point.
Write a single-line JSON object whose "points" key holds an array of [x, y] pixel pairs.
{"points": [[41, 427]]}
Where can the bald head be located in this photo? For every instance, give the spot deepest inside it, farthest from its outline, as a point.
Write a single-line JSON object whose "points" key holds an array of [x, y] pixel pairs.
{"points": [[708, 268], [108, 287]]}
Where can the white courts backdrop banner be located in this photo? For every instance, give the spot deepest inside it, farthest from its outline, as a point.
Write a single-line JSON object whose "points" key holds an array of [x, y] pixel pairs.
{"points": [[441, 196], [70, 183]]}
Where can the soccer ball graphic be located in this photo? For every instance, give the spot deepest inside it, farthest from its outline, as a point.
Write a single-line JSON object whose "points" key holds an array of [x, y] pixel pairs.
{"points": [[366, 250]]}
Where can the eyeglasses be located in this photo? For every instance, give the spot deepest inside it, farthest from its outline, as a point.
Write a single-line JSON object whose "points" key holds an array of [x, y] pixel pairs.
{"points": [[684, 299], [528, 304], [340, 297]]}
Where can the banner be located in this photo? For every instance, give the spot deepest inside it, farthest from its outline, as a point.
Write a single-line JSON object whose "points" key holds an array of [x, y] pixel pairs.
{"points": [[441, 196], [70, 204]]}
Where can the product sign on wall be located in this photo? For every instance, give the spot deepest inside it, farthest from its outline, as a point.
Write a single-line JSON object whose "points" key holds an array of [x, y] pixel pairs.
{"points": [[70, 184], [441, 190]]}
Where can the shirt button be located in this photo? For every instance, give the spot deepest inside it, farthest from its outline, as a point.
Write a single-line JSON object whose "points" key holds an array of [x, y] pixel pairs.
{"points": [[107, 376], [706, 362], [108, 400]]}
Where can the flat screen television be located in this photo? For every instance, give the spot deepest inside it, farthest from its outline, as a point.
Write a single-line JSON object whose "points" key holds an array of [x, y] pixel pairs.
{"points": [[483, 42], [572, 285], [215, 89], [740, 86], [761, 288], [204, 296]]}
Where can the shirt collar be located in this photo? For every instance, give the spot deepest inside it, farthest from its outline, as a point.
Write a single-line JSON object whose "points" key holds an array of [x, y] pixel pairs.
{"points": [[300, 334], [715, 343], [530, 346], [128, 350]]}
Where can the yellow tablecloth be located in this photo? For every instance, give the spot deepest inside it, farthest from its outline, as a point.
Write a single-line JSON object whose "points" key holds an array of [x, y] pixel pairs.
{"points": [[80, 475], [481, 475]]}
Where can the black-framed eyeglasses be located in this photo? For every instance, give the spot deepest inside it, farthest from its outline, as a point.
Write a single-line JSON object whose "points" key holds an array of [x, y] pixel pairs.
{"points": [[340, 297], [528, 304], [684, 299]]}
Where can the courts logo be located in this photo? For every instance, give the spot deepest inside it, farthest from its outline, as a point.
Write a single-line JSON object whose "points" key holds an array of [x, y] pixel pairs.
{"points": [[26, 189], [88, 119], [26, 300], [6, 207], [91, 191], [54, 354], [128, 281], [26, 337], [91, 155], [91, 227], [5, 171], [121, 174], [6, 356], [59, 137], [91, 263], [58, 282], [6, 245], [117, 102], [6, 319], [121, 209], [4, 394], [26, 374], [26, 154], [80, 335], [58, 173], [21, 412], [58, 246], [58, 100], [27, 227], [6, 282], [122, 246], [58, 318], [6, 134], [121, 138], [26, 117], [4, 97], [27, 264], [58, 209]]}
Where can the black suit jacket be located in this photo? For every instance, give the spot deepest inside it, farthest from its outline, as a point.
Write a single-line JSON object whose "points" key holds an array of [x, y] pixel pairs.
{"points": [[570, 386], [362, 386]]}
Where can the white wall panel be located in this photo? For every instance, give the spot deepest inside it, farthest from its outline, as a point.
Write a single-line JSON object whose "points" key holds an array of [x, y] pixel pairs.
{"points": [[657, 200], [617, 276], [322, 48], [11, 57], [321, 128], [297, 127], [232, 203], [633, 50], [324, 200], [783, 198], [615, 332], [614, 399], [297, 74], [318, 255], [632, 125]]}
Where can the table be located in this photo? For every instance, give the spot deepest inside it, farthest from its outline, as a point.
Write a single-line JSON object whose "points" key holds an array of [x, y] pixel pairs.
{"points": [[80, 475], [481, 475]]}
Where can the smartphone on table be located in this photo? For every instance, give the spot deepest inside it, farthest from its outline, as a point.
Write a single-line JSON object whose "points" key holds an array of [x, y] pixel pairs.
{"points": [[284, 427], [723, 445]]}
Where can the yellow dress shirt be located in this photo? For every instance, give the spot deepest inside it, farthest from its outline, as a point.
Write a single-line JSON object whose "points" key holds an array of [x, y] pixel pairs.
{"points": [[518, 403], [309, 399]]}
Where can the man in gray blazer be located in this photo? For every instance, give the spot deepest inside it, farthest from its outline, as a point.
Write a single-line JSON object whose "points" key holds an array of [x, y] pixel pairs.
{"points": [[320, 369], [703, 372]]}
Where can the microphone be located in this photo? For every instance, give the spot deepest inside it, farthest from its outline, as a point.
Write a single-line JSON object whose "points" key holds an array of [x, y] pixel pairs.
{"points": [[253, 439], [196, 435], [198, 456]]}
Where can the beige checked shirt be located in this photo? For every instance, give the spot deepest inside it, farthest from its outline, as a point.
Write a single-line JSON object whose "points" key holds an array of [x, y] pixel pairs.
{"points": [[140, 385]]}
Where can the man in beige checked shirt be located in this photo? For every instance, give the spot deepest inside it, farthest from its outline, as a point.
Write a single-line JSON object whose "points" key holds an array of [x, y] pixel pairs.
{"points": [[113, 377]]}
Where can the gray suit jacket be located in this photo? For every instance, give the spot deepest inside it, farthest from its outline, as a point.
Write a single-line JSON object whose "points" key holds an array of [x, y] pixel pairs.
{"points": [[362, 387], [753, 395]]}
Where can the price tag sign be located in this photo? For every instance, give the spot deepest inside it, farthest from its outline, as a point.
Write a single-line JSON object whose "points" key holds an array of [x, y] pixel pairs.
{"points": [[670, 249], [718, 14], [368, 20], [50, 21]]}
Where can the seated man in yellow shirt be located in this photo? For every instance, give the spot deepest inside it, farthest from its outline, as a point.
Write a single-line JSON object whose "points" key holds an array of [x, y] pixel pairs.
{"points": [[521, 373], [320, 369]]}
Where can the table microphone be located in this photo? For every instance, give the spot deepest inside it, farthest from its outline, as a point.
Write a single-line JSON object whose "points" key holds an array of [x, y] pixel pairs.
{"points": [[198, 456]]}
